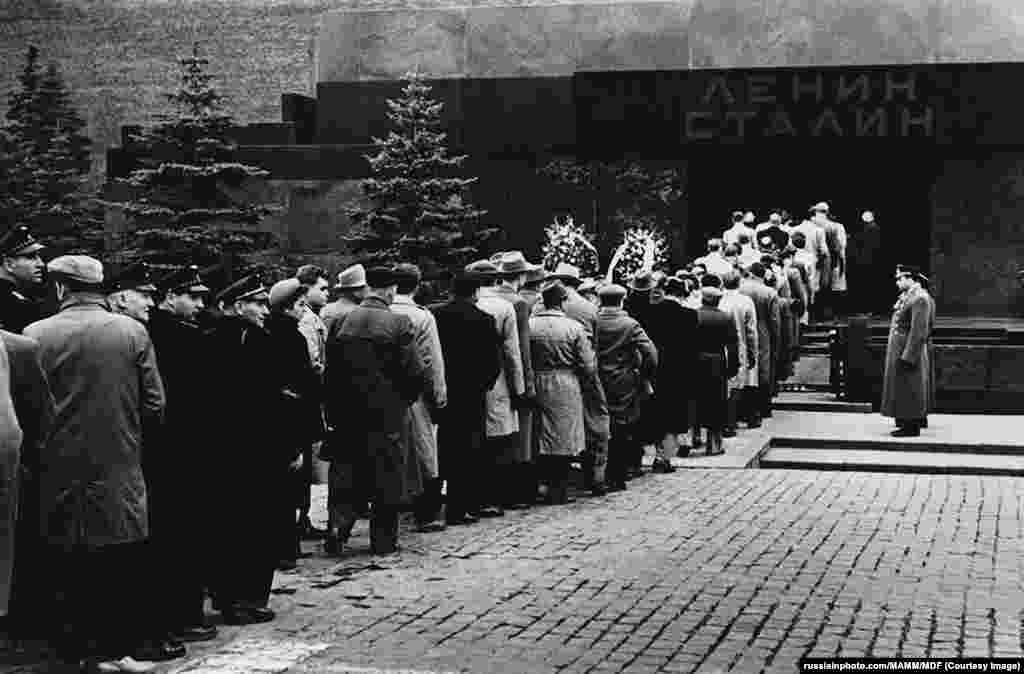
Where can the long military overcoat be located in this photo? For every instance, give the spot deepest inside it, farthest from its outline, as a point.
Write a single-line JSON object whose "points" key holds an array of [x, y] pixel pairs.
{"points": [[907, 387]]}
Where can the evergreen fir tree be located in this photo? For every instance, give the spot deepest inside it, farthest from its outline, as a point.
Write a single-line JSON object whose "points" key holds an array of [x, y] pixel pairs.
{"points": [[181, 205], [419, 211], [47, 159]]}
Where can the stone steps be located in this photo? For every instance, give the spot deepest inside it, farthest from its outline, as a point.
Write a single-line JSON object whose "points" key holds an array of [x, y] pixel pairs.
{"points": [[816, 401], [890, 460]]}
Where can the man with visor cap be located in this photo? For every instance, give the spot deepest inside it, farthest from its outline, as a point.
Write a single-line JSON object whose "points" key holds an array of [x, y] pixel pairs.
{"points": [[21, 277]]}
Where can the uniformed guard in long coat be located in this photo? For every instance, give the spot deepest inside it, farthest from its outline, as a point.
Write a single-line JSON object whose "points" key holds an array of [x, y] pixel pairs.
{"points": [[21, 275], [906, 390], [472, 352], [627, 361], [374, 375], [35, 408], [183, 521]]}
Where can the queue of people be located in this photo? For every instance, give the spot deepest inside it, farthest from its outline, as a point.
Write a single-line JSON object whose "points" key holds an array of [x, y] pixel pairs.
{"points": [[158, 434]]}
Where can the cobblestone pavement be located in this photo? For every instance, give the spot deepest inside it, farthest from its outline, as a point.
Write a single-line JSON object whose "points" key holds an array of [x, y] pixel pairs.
{"points": [[702, 570]]}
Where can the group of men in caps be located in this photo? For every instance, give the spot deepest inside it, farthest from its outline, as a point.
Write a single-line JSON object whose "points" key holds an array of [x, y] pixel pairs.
{"points": [[139, 378], [164, 453]]}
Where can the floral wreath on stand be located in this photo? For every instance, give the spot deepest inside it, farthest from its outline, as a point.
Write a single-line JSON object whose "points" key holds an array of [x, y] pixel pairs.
{"points": [[642, 249], [568, 242]]}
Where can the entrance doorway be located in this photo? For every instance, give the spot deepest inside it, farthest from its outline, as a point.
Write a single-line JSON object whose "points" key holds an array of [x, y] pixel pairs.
{"points": [[894, 185]]}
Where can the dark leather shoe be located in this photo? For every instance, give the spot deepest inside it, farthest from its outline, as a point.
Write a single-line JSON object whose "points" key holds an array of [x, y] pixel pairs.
{"points": [[905, 433], [729, 433], [491, 511], [193, 633], [430, 527], [459, 520], [517, 506], [683, 452], [598, 490], [308, 532], [334, 546], [160, 651], [753, 424], [617, 485], [248, 616], [662, 466], [287, 565]]}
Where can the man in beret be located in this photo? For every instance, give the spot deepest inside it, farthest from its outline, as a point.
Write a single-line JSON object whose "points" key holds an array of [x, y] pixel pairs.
{"points": [[374, 375], [423, 432], [182, 520], [130, 292], [246, 453], [21, 277], [103, 373], [627, 361]]}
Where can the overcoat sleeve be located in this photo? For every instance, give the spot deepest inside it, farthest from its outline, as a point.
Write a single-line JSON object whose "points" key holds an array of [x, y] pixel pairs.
{"points": [[438, 391], [647, 350], [489, 353], [523, 325], [587, 365], [33, 399], [411, 361], [10, 430], [513, 362], [775, 321], [918, 334], [151, 386], [750, 329], [732, 351]]}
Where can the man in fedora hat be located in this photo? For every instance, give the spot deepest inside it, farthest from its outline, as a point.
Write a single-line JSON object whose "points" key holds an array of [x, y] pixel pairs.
{"points": [[21, 277], [351, 291], [907, 388], [374, 375], [513, 269], [103, 373], [507, 396], [530, 290]]}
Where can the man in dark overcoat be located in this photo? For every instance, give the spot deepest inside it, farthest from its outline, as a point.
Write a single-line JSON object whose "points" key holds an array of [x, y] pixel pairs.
{"points": [[472, 353], [182, 520], [21, 277], [36, 410], [907, 387], [769, 329], [374, 375], [245, 453], [627, 360], [717, 346]]}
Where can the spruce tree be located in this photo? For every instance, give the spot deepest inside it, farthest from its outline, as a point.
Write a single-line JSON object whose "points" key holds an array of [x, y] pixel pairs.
{"points": [[181, 205], [419, 209], [47, 160]]}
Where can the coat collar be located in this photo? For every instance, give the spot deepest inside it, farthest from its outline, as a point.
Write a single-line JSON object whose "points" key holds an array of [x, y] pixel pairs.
{"points": [[85, 301], [372, 302], [406, 300], [551, 312]]}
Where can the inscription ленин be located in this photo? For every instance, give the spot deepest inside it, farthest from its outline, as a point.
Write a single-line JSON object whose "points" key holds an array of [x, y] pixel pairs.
{"points": [[884, 104]]}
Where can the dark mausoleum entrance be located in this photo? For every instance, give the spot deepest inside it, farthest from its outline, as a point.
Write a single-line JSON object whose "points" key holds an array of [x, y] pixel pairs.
{"points": [[895, 186]]}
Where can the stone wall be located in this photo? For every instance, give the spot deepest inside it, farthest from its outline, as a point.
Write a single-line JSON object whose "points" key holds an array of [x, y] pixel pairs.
{"points": [[978, 234]]}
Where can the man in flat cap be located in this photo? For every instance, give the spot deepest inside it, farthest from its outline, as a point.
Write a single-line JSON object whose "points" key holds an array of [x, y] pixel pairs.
{"points": [[130, 291], [247, 448], [21, 278], [423, 432], [181, 520], [351, 290], [103, 373], [907, 390], [374, 375], [504, 400], [627, 361]]}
